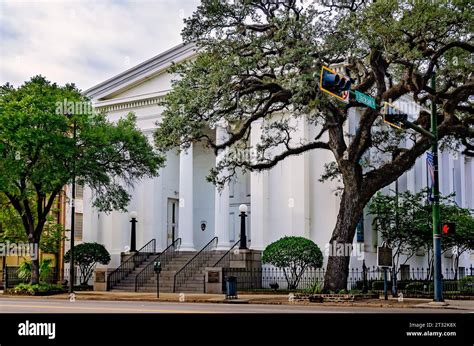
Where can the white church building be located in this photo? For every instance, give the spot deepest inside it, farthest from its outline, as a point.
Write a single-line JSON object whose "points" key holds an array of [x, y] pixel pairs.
{"points": [[289, 199]]}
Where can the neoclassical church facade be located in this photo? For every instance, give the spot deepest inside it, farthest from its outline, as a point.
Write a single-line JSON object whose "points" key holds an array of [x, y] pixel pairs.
{"points": [[289, 199]]}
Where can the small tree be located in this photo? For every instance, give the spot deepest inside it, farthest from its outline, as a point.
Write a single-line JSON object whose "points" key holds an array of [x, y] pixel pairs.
{"points": [[293, 255], [49, 135], [405, 223], [86, 257], [463, 239]]}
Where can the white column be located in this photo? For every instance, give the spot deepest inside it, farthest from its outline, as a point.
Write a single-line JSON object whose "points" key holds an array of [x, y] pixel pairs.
{"points": [[462, 172], [186, 227], [258, 195], [221, 208], [298, 201]]}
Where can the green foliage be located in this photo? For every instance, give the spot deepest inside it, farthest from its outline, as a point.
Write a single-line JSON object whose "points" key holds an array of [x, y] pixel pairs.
{"points": [[24, 270], [406, 224], [293, 255], [417, 286], [315, 288], [260, 61], [33, 289], [45, 270], [466, 285], [377, 285], [86, 257], [40, 155]]}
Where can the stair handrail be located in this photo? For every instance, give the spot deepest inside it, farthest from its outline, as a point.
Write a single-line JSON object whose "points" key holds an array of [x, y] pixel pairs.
{"points": [[164, 257], [195, 262], [226, 256], [129, 265]]}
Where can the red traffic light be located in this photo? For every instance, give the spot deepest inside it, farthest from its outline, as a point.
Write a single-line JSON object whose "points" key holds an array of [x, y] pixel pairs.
{"points": [[448, 228]]}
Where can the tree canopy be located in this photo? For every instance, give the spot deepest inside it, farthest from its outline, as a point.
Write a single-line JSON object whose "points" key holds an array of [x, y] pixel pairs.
{"points": [[405, 222], [259, 61], [39, 154], [294, 255], [86, 257]]}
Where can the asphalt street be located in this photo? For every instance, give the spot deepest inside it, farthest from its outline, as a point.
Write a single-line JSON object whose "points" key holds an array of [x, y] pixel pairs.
{"points": [[25, 305]]}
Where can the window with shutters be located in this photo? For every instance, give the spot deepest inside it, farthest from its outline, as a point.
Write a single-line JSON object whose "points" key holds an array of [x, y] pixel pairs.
{"points": [[78, 227]]}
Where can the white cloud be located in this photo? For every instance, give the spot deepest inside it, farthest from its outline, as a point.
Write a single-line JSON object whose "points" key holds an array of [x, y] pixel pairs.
{"points": [[85, 42]]}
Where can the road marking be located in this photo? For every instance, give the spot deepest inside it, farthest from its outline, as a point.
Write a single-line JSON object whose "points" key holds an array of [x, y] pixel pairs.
{"points": [[100, 308]]}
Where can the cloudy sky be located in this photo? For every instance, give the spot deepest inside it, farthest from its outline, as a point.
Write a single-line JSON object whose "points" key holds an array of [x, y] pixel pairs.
{"points": [[85, 41]]}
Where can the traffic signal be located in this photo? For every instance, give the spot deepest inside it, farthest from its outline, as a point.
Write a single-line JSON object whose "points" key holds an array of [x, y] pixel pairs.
{"points": [[393, 116], [448, 228], [335, 84]]}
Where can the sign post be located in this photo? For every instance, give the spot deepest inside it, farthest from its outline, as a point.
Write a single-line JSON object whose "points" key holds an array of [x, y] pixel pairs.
{"points": [[384, 260]]}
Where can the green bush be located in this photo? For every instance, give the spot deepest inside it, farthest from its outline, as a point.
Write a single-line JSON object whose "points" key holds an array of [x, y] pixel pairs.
{"points": [[86, 257], [293, 255], [37, 288], [45, 269], [315, 288], [377, 285], [417, 286], [466, 285]]}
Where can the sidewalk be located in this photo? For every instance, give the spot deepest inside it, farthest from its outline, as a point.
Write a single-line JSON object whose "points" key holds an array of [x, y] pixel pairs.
{"points": [[279, 299]]}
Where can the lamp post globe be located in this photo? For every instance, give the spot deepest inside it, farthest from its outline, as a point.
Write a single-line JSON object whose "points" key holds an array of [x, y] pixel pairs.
{"points": [[243, 237]]}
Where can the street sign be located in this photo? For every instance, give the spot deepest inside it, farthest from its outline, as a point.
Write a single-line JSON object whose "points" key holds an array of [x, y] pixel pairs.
{"points": [[394, 116], [384, 256], [335, 84], [365, 99]]}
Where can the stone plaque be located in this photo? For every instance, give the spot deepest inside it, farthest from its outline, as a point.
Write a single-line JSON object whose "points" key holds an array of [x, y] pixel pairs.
{"points": [[384, 256], [99, 276], [213, 277]]}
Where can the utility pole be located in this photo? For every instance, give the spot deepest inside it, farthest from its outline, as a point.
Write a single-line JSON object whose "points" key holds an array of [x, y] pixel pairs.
{"points": [[438, 285]]}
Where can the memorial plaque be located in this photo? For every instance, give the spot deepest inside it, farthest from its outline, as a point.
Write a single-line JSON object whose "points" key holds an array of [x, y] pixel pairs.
{"points": [[384, 256], [213, 277], [100, 277]]}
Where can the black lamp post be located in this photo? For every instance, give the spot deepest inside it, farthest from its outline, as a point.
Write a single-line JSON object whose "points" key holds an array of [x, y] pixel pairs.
{"points": [[243, 236], [133, 236]]}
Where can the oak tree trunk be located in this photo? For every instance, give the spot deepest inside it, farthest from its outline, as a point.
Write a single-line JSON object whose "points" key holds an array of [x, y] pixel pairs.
{"points": [[350, 211]]}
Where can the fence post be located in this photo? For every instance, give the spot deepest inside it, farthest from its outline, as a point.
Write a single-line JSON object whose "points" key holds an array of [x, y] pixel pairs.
{"points": [[5, 282]]}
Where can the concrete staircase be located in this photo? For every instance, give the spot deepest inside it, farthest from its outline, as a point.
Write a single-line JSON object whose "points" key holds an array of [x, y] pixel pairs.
{"points": [[194, 284]]}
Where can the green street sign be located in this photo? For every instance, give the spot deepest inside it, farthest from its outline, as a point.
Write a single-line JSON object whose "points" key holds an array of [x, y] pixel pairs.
{"points": [[365, 99]]}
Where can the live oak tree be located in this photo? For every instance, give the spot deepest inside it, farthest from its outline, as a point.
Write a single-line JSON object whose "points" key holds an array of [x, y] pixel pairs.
{"points": [[260, 61], [39, 154]]}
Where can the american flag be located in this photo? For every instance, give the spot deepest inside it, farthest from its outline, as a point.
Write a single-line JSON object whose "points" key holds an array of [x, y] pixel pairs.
{"points": [[430, 167]]}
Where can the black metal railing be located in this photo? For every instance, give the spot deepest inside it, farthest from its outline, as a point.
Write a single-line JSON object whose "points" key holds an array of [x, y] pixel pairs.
{"points": [[10, 277], [194, 264], [165, 257], [409, 283], [224, 261], [129, 265]]}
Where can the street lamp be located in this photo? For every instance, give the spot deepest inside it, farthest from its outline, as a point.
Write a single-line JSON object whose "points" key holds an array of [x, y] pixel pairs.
{"points": [[243, 215], [133, 239]]}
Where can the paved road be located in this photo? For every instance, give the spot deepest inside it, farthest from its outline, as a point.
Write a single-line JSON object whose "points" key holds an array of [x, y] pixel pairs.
{"points": [[25, 305]]}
